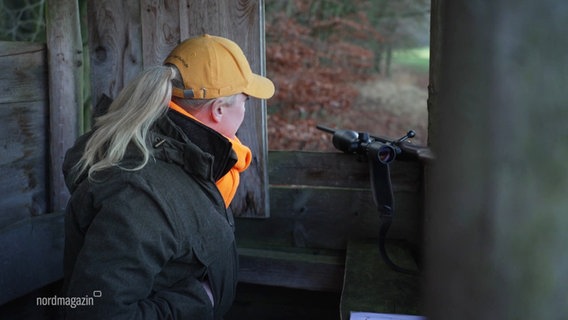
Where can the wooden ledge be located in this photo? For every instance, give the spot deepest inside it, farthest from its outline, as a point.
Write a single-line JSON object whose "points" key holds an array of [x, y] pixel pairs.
{"points": [[371, 286]]}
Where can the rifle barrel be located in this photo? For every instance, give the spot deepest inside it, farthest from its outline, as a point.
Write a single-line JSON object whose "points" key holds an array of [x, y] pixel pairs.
{"points": [[326, 129]]}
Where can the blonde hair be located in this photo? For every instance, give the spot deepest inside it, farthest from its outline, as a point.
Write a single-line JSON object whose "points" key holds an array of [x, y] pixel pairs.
{"points": [[128, 120]]}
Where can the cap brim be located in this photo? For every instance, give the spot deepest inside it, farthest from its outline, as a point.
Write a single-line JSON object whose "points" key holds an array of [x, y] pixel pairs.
{"points": [[260, 87]]}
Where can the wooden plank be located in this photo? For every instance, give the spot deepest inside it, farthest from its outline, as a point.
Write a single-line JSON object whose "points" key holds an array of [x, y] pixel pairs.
{"points": [[23, 128], [24, 72], [205, 17], [115, 43], [336, 169], [300, 270], [371, 286], [31, 252], [65, 60], [160, 21], [317, 169], [23, 161], [13, 48], [325, 218]]}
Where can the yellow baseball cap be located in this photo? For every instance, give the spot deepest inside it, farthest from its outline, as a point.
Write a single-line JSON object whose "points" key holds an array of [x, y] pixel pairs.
{"points": [[213, 67]]}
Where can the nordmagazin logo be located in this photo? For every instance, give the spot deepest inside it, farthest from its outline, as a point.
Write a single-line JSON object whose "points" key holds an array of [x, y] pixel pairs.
{"points": [[71, 302]]}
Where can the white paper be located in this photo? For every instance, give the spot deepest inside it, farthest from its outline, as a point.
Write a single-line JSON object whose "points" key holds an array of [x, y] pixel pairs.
{"points": [[382, 316]]}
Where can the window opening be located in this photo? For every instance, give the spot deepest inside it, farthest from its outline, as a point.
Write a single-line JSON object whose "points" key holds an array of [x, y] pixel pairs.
{"points": [[360, 65]]}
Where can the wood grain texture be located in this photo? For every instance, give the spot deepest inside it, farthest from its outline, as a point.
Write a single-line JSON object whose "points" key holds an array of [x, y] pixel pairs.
{"points": [[65, 59], [23, 76], [23, 131], [23, 161], [115, 44], [160, 22]]}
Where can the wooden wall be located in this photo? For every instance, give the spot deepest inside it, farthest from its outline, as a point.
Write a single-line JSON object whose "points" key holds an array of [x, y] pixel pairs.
{"points": [[127, 36], [38, 122], [320, 202], [23, 131], [31, 241]]}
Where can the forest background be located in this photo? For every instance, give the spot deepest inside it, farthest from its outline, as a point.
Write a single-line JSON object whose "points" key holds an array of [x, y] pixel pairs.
{"points": [[350, 64]]}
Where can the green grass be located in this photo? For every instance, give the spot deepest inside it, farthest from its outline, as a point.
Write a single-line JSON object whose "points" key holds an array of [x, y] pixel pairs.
{"points": [[418, 58]]}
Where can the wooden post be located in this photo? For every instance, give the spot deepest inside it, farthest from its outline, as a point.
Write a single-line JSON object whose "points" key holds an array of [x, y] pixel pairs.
{"points": [[436, 36], [65, 61], [496, 234]]}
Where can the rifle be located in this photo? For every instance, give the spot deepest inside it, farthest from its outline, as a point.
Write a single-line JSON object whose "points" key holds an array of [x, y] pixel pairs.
{"points": [[380, 152], [350, 141]]}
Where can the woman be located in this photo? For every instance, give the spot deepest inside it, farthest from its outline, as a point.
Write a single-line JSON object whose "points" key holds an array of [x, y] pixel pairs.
{"points": [[148, 234]]}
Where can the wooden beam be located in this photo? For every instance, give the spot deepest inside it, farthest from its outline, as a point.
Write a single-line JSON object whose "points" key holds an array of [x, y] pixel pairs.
{"points": [[496, 235], [160, 22], [336, 169], [292, 269], [65, 59]]}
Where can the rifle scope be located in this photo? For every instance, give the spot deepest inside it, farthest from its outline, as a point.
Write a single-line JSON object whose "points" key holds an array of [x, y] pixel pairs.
{"points": [[350, 141]]}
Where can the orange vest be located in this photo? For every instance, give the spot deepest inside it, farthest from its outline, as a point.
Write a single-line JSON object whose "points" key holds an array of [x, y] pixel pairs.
{"points": [[228, 183]]}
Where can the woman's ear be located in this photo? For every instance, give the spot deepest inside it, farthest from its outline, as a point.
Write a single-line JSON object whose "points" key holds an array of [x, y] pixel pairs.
{"points": [[217, 112]]}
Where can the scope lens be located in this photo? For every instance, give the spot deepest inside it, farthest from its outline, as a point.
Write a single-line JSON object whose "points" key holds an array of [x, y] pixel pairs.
{"points": [[386, 154]]}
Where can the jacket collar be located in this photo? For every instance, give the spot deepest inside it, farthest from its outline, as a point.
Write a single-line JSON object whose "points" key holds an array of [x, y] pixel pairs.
{"points": [[199, 149]]}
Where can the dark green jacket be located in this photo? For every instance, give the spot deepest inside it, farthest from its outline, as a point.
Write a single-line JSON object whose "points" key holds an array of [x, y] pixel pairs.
{"points": [[140, 243]]}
